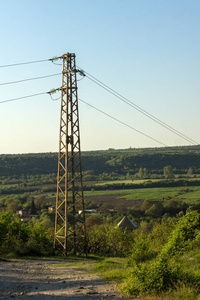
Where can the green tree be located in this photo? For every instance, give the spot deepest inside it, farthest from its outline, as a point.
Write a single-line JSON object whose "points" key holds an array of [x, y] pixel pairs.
{"points": [[121, 207], [92, 221], [146, 205], [33, 209], [108, 240], [168, 172], [190, 172], [140, 173], [155, 211], [145, 173], [128, 176], [183, 235], [172, 207], [106, 207], [13, 206], [24, 238], [165, 272], [39, 201], [145, 227]]}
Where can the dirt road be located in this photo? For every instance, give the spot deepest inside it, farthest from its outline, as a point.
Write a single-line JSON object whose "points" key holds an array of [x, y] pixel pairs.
{"points": [[42, 280]]}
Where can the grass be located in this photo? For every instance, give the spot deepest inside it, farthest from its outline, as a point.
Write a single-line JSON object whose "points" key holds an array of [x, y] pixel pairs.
{"points": [[70, 263], [110, 268], [192, 194], [139, 181], [107, 192], [113, 269], [146, 194], [126, 181], [134, 194], [151, 194]]}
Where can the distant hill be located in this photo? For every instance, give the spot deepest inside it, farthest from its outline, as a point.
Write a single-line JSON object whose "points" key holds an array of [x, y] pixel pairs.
{"points": [[118, 161]]}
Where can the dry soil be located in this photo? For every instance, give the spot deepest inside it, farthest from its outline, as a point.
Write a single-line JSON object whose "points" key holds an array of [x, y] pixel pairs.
{"points": [[40, 279]]}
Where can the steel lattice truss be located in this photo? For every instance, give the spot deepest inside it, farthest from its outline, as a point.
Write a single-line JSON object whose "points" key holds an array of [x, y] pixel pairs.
{"points": [[70, 233]]}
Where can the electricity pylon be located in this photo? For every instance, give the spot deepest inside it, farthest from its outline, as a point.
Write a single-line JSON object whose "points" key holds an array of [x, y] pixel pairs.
{"points": [[70, 231]]}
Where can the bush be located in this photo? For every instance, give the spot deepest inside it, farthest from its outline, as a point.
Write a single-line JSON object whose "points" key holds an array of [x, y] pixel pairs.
{"points": [[184, 236], [21, 238], [106, 239], [159, 276], [165, 273], [140, 252]]}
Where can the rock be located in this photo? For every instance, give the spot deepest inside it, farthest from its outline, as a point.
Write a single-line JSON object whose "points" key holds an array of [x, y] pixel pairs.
{"points": [[92, 293]]}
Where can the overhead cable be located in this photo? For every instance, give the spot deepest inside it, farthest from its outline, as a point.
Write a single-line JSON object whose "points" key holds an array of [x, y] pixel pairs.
{"points": [[30, 62], [138, 108], [29, 79], [108, 115], [29, 96], [130, 103]]}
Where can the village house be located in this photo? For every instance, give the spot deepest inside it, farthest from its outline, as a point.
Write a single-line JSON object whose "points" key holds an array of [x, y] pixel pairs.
{"points": [[51, 208], [23, 213], [87, 211], [126, 223]]}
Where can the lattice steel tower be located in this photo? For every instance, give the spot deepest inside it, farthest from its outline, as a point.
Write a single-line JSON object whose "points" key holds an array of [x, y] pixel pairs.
{"points": [[70, 232]]}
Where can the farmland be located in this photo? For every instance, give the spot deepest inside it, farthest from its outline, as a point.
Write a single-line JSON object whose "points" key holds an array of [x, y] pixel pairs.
{"points": [[161, 197]]}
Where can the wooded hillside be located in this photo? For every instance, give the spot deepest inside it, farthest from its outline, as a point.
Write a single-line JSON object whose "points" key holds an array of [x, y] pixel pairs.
{"points": [[110, 161]]}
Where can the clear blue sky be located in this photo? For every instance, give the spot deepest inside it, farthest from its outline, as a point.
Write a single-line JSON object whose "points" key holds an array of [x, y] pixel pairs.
{"points": [[148, 51]]}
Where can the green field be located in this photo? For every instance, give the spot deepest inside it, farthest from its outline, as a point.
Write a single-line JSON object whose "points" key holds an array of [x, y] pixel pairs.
{"points": [[191, 194]]}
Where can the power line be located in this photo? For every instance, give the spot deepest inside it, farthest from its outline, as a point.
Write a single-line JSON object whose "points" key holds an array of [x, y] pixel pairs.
{"points": [[29, 79], [30, 62], [54, 90], [24, 97], [138, 108], [108, 115], [130, 103], [121, 122], [104, 86]]}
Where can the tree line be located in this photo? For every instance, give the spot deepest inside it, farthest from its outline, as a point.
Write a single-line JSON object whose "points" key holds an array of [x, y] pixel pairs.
{"points": [[114, 163]]}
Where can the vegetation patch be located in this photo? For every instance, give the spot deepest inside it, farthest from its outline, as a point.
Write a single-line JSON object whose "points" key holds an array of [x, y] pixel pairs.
{"points": [[112, 269], [165, 273], [157, 189]]}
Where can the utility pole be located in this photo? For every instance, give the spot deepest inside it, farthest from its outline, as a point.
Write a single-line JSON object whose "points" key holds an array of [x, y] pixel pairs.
{"points": [[70, 231]]}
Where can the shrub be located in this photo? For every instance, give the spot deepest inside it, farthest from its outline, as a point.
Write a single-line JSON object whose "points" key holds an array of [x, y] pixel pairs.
{"points": [[140, 252], [165, 273], [184, 235], [159, 276], [105, 239], [23, 238]]}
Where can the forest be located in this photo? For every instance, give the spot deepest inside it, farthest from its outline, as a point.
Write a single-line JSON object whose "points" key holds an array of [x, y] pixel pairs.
{"points": [[114, 162], [158, 189]]}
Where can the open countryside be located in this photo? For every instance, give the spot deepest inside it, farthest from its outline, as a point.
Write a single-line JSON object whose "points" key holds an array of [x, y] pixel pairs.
{"points": [[161, 200], [99, 150]]}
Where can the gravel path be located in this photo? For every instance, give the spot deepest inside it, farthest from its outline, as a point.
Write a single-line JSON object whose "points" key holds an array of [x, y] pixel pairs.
{"points": [[41, 280]]}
